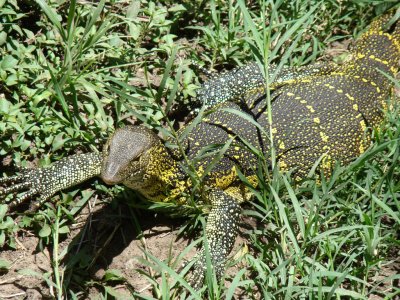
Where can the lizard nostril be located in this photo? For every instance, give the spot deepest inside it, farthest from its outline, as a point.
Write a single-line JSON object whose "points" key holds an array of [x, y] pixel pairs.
{"points": [[110, 173]]}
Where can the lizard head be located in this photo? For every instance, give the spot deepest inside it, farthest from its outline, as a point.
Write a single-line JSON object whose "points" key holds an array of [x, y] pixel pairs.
{"points": [[125, 152]]}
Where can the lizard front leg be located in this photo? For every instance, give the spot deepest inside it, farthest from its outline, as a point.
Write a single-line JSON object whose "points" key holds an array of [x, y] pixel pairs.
{"points": [[45, 182], [221, 231]]}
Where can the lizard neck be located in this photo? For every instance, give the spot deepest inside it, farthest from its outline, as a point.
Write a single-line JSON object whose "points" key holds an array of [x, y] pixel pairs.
{"points": [[159, 177]]}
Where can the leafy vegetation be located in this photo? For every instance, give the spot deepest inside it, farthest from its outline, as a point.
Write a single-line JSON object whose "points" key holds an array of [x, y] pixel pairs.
{"points": [[72, 71]]}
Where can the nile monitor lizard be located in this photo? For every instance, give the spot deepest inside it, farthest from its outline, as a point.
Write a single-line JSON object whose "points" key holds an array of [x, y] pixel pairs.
{"points": [[321, 114]]}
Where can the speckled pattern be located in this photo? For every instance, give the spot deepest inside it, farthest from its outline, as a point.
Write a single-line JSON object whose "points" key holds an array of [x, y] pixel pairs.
{"points": [[221, 230], [326, 112], [45, 182], [235, 84]]}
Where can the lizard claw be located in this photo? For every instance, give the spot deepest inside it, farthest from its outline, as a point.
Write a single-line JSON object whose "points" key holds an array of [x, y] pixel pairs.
{"points": [[12, 179], [15, 188], [196, 280], [199, 270], [22, 183]]}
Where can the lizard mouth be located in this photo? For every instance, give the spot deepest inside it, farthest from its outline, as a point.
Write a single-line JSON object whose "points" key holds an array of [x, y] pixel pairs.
{"points": [[110, 174], [115, 173]]}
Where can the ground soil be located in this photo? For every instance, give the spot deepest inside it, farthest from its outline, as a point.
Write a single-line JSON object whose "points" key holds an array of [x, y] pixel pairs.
{"points": [[113, 243]]}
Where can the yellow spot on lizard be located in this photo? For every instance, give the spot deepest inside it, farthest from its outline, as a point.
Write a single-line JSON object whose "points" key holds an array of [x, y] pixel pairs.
{"points": [[324, 137], [311, 108]]}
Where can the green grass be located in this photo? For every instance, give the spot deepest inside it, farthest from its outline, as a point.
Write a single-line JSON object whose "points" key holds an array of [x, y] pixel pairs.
{"points": [[71, 72]]}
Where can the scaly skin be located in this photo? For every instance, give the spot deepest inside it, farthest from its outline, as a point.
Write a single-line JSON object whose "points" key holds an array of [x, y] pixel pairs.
{"points": [[235, 84], [317, 114]]}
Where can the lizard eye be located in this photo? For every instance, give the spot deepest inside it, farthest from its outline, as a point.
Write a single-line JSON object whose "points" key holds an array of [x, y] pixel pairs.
{"points": [[122, 150]]}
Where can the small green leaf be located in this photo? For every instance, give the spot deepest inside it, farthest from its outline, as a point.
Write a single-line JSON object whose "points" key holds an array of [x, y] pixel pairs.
{"points": [[63, 230], [4, 264], [25, 144], [3, 211], [7, 223], [30, 272], [178, 7], [2, 238], [45, 231], [4, 106], [113, 275], [26, 221], [110, 291], [3, 38], [11, 80], [133, 10], [8, 62], [58, 142], [29, 34]]}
